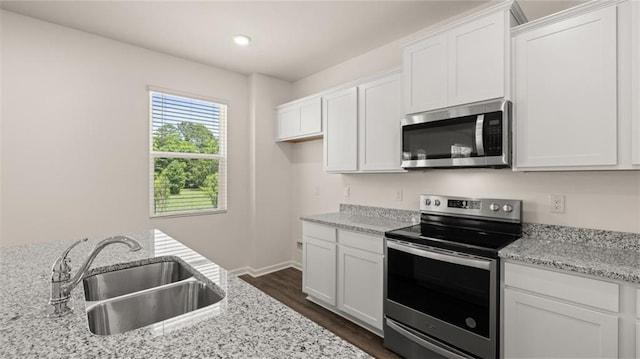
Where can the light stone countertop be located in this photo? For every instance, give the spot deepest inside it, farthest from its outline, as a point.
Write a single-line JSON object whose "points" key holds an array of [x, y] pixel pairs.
{"points": [[354, 222], [601, 261], [601, 253], [247, 323], [371, 220]]}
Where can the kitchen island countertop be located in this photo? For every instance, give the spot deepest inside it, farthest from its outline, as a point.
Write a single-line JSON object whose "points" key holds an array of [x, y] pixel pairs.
{"points": [[247, 323]]}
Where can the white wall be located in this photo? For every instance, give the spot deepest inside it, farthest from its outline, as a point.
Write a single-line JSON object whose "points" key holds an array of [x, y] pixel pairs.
{"points": [[603, 200], [75, 139], [270, 176]]}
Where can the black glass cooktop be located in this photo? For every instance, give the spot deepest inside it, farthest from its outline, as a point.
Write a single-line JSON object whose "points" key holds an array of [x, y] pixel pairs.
{"points": [[484, 238]]}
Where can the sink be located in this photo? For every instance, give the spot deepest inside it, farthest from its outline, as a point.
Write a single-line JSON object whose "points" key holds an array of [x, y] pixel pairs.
{"points": [[139, 309], [131, 298], [116, 283]]}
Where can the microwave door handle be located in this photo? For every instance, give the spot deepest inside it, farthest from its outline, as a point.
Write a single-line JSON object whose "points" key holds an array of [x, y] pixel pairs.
{"points": [[467, 262], [480, 135]]}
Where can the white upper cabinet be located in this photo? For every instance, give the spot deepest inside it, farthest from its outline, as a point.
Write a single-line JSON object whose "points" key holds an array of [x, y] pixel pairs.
{"points": [[362, 126], [288, 122], [379, 137], [576, 89], [311, 117], [463, 63], [425, 74], [476, 58], [635, 82], [565, 96], [300, 120], [340, 120]]}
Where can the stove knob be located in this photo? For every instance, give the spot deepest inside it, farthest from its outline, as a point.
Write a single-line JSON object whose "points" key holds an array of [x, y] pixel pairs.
{"points": [[494, 207], [507, 208], [427, 202], [436, 202]]}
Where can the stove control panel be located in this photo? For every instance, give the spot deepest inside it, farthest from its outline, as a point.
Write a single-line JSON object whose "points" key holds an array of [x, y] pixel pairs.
{"points": [[499, 209]]}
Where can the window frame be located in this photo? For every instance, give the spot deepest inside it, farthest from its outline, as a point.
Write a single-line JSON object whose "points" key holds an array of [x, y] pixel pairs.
{"points": [[221, 156]]}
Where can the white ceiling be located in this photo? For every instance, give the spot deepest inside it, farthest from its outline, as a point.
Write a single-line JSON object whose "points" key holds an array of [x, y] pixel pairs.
{"points": [[291, 39]]}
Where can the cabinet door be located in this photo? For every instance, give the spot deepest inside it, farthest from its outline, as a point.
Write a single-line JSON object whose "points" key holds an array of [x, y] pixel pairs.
{"points": [[638, 340], [535, 327], [477, 60], [288, 122], [319, 269], [360, 285], [379, 125], [425, 74], [311, 117], [340, 120], [566, 93], [635, 82]]}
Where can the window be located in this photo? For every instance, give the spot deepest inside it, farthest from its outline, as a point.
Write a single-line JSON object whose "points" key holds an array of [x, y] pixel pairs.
{"points": [[188, 155]]}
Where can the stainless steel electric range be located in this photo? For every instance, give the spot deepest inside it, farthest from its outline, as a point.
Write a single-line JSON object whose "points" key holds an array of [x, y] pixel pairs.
{"points": [[441, 281]]}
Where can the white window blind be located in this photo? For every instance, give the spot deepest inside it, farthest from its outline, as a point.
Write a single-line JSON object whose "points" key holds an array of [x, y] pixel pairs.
{"points": [[188, 155]]}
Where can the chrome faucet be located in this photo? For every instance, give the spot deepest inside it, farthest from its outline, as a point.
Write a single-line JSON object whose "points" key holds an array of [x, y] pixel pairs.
{"points": [[61, 282]]}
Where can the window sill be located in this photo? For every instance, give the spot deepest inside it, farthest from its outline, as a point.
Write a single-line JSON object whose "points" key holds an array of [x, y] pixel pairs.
{"points": [[187, 213]]}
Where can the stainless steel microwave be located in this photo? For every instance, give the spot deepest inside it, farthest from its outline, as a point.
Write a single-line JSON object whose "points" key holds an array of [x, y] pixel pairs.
{"points": [[473, 135]]}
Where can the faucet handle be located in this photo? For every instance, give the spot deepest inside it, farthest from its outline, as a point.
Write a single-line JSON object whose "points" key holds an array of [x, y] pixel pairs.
{"points": [[61, 270]]}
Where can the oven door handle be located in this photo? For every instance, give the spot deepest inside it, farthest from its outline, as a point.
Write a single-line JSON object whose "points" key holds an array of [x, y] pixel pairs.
{"points": [[450, 353], [449, 258]]}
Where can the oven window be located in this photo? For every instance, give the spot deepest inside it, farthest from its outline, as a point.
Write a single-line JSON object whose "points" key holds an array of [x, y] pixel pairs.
{"points": [[456, 294]]}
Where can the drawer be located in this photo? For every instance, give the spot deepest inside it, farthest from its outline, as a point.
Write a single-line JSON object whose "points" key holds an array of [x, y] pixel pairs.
{"points": [[362, 241], [587, 291], [318, 231]]}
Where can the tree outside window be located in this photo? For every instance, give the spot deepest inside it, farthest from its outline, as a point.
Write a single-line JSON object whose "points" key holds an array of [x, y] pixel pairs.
{"points": [[188, 160]]}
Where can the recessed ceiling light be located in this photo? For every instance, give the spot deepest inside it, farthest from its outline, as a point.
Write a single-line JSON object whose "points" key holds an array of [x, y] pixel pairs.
{"points": [[242, 40]]}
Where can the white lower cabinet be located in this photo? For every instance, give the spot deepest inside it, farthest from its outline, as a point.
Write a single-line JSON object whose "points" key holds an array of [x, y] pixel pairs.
{"points": [[559, 314], [536, 327], [360, 284], [344, 274], [638, 340], [319, 262], [638, 323]]}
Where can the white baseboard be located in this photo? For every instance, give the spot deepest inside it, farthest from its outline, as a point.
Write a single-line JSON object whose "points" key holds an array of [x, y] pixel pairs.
{"points": [[265, 270]]}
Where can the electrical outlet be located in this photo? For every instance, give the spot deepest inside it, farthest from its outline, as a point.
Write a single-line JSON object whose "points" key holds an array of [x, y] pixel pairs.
{"points": [[299, 246], [347, 191], [556, 203], [397, 195], [316, 191]]}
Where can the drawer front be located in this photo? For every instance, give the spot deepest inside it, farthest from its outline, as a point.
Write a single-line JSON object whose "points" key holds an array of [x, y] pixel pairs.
{"points": [[318, 231], [587, 291], [361, 241]]}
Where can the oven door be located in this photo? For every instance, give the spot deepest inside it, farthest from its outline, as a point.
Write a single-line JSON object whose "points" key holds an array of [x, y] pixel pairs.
{"points": [[448, 296]]}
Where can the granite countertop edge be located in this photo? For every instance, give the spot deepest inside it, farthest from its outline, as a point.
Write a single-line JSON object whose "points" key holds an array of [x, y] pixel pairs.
{"points": [[355, 222], [603, 263]]}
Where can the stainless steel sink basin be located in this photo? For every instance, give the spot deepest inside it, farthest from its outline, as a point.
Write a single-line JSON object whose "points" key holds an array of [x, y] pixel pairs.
{"points": [[131, 298], [140, 309], [116, 283]]}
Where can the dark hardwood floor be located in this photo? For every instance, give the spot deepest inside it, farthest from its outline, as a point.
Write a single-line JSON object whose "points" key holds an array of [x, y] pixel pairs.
{"points": [[286, 286]]}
